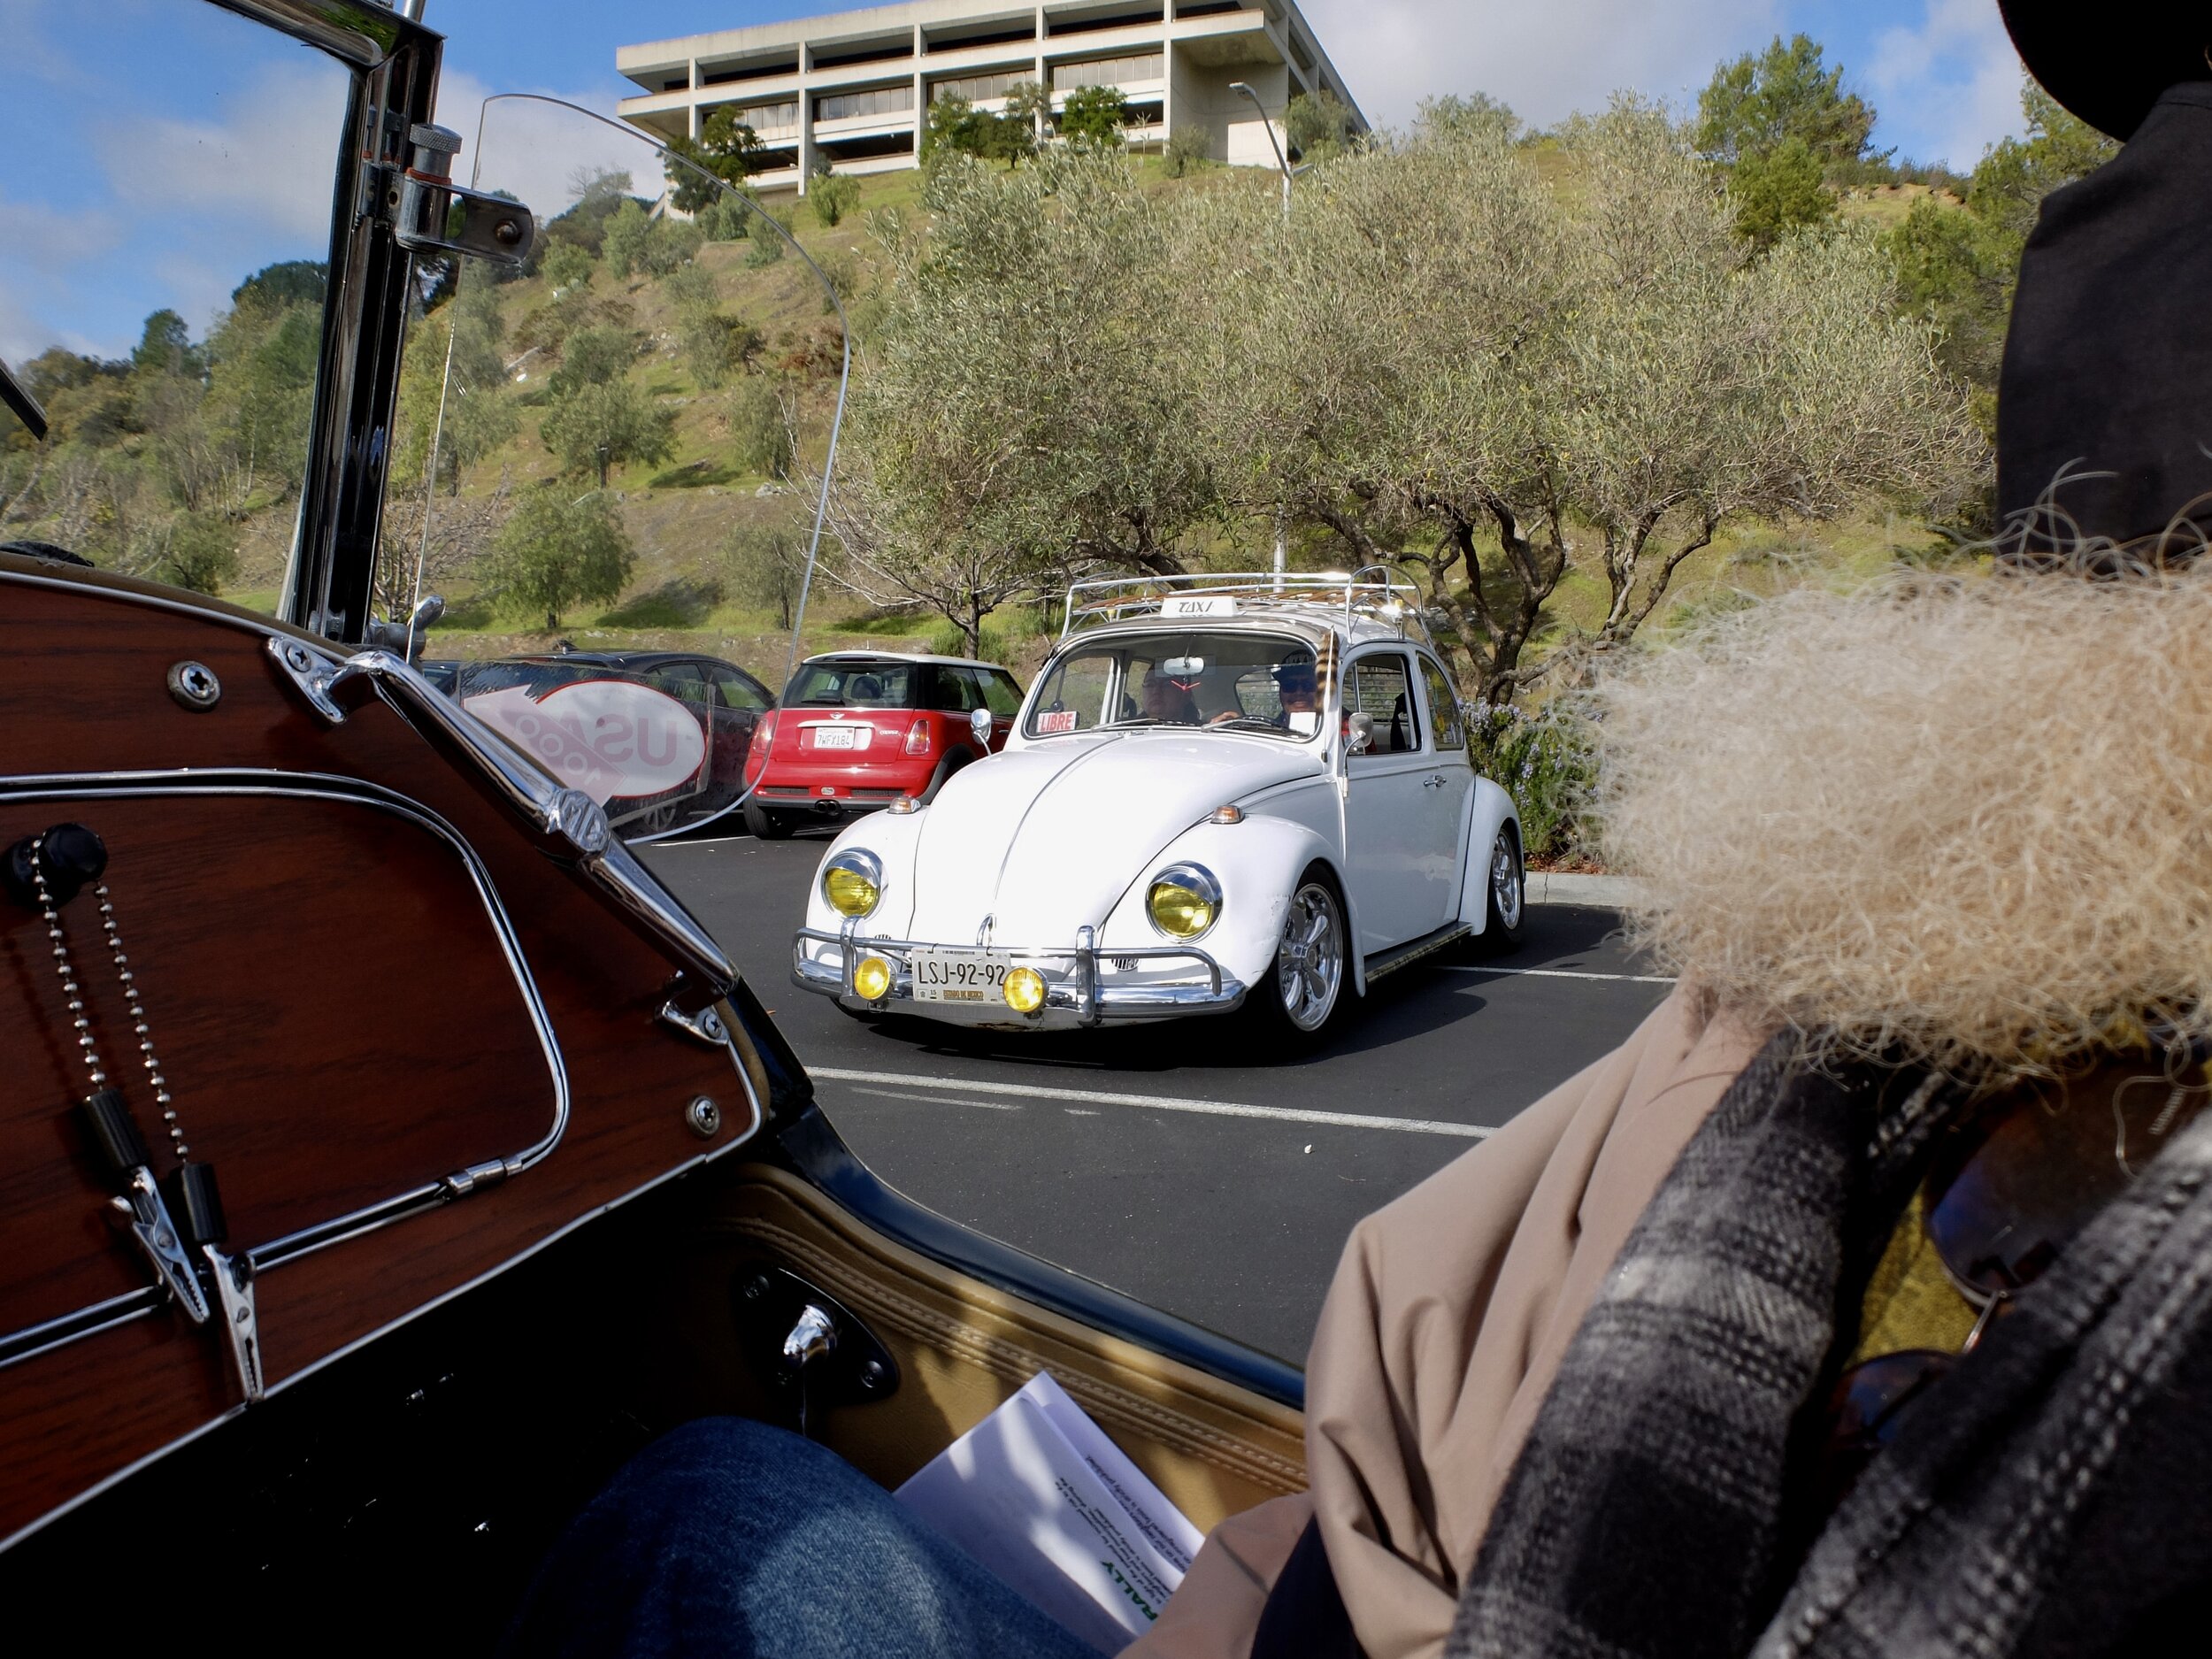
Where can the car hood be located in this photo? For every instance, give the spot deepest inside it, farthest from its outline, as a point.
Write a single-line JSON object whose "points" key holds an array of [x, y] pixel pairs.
{"points": [[1045, 840]]}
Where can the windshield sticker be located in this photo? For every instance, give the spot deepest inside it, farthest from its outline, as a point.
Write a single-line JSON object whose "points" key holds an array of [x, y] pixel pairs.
{"points": [[1057, 720], [609, 738], [1198, 605], [1305, 722]]}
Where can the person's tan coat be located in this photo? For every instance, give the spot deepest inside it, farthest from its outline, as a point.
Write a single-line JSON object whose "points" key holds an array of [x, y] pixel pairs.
{"points": [[1450, 1311]]}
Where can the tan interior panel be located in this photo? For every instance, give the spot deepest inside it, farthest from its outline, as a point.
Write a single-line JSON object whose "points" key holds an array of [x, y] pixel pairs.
{"points": [[962, 1347]]}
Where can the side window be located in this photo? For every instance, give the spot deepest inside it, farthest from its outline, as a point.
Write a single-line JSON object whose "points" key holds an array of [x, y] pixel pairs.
{"points": [[1451, 732], [950, 689], [1002, 696], [682, 679], [1381, 686], [734, 691]]}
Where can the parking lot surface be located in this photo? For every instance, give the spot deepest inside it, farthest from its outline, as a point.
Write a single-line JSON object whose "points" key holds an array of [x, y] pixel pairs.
{"points": [[1171, 1161]]}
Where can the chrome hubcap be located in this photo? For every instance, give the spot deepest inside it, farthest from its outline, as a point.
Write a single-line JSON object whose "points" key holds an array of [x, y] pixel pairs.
{"points": [[1310, 967], [1505, 880]]}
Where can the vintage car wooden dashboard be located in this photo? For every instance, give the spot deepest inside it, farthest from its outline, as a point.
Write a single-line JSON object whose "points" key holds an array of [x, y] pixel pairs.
{"points": [[404, 995]]}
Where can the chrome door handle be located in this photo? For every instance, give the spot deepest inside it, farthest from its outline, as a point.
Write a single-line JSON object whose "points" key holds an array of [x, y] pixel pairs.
{"points": [[1434, 780]]}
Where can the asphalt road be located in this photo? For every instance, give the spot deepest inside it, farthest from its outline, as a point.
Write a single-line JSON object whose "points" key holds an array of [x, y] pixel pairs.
{"points": [[1169, 1160]]}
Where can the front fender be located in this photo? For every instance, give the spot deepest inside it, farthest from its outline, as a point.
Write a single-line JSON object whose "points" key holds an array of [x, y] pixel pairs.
{"points": [[1257, 862], [1493, 808], [891, 837]]}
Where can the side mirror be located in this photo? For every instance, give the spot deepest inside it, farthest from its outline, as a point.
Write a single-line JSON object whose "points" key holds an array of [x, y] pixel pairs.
{"points": [[1361, 728], [980, 727], [429, 610]]}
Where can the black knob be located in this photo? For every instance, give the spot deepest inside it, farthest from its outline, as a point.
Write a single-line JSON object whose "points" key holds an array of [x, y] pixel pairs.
{"points": [[70, 856], [197, 1204], [114, 1135]]}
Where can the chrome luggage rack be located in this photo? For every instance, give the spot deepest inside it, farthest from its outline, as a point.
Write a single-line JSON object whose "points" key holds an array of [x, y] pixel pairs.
{"points": [[1374, 593]]}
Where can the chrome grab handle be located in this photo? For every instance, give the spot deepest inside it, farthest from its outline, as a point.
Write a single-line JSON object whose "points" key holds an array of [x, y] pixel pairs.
{"points": [[1434, 780]]}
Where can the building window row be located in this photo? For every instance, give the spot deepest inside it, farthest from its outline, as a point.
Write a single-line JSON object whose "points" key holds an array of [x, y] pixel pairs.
{"points": [[976, 88], [1108, 71], [881, 101], [767, 117]]}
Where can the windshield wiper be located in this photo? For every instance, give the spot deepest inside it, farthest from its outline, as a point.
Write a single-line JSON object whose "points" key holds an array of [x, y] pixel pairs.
{"points": [[1253, 721], [1134, 719]]}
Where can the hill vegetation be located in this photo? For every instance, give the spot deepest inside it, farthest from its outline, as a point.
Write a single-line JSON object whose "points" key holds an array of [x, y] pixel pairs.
{"points": [[1576, 381]]}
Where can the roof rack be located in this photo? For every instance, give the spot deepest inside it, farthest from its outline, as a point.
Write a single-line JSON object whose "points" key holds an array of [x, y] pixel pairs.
{"points": [[1374, 593]]}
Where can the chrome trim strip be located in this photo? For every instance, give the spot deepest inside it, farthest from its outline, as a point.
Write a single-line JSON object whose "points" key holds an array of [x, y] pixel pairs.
{"points": [[98, 1316], [352, 792]]}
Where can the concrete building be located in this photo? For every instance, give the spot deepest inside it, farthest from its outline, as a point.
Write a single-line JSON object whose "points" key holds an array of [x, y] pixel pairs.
{"points": [[848, 92]]}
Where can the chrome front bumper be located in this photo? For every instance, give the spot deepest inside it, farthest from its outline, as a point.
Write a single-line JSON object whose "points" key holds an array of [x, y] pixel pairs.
{"points": [[1073, 984]]}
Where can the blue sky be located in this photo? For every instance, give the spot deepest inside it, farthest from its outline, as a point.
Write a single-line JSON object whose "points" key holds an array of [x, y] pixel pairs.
{"points": [[163, 149]]}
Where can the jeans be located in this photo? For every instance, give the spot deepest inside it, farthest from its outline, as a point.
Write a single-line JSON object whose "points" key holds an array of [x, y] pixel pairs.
{"points": [[731, 1538]]}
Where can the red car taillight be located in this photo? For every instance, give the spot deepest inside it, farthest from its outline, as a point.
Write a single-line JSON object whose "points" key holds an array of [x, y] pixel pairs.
{"points": [[917, 738], [763, 737]]}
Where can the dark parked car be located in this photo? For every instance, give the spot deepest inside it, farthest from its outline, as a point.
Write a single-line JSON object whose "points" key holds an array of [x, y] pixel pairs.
{"points": [[628, 747]]}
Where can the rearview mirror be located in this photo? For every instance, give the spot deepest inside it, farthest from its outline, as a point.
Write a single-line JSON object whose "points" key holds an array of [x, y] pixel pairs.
{"points": [[980, 723], [1362, 730]]}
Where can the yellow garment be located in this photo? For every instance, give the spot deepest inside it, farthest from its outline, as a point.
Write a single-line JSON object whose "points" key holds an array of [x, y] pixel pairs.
{"points": [[1910, 1302]]}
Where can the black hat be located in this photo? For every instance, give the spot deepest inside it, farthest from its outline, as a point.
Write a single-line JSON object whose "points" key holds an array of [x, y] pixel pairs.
{"points": [[2110, 69], [2107, 369]]}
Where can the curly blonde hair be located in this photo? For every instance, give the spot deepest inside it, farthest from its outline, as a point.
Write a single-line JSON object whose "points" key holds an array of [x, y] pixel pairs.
{"points": [[1963, 819]]}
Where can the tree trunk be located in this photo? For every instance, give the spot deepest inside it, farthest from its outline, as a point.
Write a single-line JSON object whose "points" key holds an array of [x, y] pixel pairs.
{"points": [[551, 622]]}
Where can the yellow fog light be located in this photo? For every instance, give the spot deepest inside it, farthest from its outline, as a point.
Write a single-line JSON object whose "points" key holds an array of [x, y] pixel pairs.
{"points": [[852, 881], [871, 978], [1024, 990], [1184, 901]]}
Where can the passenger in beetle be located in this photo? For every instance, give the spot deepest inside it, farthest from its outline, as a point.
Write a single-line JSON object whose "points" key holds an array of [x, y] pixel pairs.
{"points": [[1295, 690], [1860, 1303]]}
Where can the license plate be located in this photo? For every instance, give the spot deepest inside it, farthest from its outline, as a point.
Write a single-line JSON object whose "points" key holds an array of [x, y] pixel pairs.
{"points": [[837, 737], [959, 976]]}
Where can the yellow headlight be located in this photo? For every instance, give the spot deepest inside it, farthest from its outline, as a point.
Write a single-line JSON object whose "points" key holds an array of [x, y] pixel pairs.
{"points": [[853, 883], [1024, 990], [871, 978], [1184, 901]]}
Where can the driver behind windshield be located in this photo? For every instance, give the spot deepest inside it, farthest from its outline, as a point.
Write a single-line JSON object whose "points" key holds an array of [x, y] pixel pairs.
{"points": [[1168, 699]]}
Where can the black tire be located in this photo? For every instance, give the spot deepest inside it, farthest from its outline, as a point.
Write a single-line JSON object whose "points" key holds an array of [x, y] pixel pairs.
{"points": [[766, 823], [946, 767], [1295, 1000], [1505, 884]]}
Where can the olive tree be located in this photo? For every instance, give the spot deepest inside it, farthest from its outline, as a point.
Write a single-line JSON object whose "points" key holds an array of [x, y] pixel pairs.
{"points": [[554, 553], [1015, 418], [1445, 362]]}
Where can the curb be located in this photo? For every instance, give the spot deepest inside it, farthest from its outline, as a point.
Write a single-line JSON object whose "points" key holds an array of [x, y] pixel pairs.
{"points": [[1611, 892]]}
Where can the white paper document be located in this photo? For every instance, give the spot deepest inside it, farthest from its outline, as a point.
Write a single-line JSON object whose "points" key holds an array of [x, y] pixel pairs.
{"points": [[1037, 1494]]}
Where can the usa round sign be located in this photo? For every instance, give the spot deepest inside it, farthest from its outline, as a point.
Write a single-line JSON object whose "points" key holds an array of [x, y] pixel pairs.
{"points": [[613, 739]]}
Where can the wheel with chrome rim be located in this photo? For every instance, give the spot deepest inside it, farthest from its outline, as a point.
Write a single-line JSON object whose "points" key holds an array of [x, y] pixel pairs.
{"points": [[1509, 892], [1308, 980]]}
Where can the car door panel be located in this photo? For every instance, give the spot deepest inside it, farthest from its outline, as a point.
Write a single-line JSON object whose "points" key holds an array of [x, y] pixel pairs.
{"points": [[1400, 819]]}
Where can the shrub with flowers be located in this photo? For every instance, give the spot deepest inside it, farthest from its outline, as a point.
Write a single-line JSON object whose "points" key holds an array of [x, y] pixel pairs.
{"points": [[1546, 762]]}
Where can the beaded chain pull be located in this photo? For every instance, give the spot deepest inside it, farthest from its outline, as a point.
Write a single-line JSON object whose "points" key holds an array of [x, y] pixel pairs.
{"points": [[81, 1018]]}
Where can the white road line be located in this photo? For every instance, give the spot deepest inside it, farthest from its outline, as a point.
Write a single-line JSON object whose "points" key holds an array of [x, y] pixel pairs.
{"points": [[988, 1105], [1565, 974], [1160, 1102]]}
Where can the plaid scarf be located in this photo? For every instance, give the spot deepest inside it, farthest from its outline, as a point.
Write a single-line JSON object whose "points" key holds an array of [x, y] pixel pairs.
{"points": [[2048, 1498]]}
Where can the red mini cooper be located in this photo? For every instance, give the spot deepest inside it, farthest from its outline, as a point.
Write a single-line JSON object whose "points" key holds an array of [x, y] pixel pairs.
{"points": [[858, 729]]}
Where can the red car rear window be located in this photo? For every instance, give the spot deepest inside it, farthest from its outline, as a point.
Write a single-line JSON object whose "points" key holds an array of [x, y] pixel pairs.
{"points": [[856, 684]]}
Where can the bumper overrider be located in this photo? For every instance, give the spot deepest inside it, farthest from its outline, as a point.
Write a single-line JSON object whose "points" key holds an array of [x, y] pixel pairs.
{"points": [[1074, 984]]}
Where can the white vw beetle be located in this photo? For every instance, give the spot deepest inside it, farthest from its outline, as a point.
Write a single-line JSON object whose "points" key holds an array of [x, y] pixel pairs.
{"points": [[1221, 791]]}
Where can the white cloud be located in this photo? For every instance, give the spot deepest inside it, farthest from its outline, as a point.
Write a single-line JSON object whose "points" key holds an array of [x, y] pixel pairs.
{"points": [[1546, 60], [49, 239], [1950, 88], [271, 163]]}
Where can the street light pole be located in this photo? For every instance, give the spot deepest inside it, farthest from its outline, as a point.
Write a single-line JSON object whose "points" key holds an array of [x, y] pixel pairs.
{"points": [[1282, 166]]}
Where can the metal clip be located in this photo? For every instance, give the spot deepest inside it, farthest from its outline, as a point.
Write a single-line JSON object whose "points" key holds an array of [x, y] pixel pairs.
{"points": [[158, 1236], [234, 1293], [706, 1024]]}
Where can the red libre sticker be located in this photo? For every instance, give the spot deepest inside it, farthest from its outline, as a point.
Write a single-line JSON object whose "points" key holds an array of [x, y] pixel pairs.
{"points": [[1058, 720]]}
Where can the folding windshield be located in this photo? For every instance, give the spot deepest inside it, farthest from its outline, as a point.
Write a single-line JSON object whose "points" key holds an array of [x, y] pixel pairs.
{"points": [[1246, 682], [162, 278], [856, 685]]}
